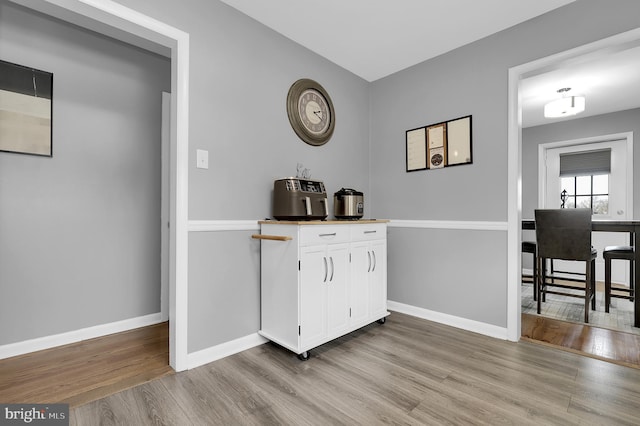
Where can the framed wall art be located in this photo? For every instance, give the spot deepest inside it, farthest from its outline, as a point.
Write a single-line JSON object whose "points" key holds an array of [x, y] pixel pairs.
{"points": [[416, 149], [26, 106], [436, 142], [439, 145], [459, 141]]}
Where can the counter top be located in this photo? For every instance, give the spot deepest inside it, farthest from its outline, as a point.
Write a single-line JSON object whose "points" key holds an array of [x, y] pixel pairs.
{"points": [[322, 222]]}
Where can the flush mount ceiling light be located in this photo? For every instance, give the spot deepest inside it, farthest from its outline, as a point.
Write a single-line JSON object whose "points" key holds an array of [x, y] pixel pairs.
{"points": [[565, 106]]}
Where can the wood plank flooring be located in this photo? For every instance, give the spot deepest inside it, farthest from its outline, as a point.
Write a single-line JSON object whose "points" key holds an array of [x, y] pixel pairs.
{"points": [[610, 345], [82, 372], [407, 371]]}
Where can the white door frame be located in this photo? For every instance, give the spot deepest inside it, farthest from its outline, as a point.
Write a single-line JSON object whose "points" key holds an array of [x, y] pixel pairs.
{"points": [[114, 20], [165, 206], [514, 159]]}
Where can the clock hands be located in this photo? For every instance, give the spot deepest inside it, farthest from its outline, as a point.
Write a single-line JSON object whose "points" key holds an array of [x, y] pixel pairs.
{"points": [[318, 114]]}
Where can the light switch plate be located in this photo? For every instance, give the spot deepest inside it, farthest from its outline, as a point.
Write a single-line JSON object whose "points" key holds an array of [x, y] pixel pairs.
{"points": [[202, 159]]}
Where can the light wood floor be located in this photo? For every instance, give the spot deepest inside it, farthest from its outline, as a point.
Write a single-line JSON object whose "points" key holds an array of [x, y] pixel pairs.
{"points": [[610, 345], [82, 372], [407, 371]]}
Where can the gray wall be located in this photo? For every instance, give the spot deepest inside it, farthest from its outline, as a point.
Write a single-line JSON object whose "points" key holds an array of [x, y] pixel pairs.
{"points": [[606, 124], [437, 263], [469, 80], [80, 232], [240, 73], [224, 295]]}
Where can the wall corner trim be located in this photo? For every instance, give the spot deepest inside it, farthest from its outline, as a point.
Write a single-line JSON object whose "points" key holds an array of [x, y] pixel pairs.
{"points": [[214, 353], [48, 342], [223, 225], [450, 224], [450, 320]]}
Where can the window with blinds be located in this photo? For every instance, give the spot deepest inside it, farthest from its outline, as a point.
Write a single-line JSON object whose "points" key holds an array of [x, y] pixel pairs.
{"points": [[586, 163], [584, 178]]}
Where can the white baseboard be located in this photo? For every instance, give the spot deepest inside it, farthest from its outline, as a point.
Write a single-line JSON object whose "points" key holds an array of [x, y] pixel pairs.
{"points": [[450, 320], [48, 342], [214, 353]]}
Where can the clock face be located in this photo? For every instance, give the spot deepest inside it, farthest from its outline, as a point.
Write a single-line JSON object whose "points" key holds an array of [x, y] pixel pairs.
{"points": [[314, 111], [310, 112]]}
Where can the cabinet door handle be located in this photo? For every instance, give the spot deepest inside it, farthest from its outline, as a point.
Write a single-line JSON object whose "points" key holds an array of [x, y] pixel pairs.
{"points": [[332, 269], [326, 270], [370, 232], [375, 261], [369, 256], [333, 234]]}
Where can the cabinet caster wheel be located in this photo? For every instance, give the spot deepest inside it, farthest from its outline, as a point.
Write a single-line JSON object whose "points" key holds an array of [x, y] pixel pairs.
{"points": [[382, 320], [304, 356]]}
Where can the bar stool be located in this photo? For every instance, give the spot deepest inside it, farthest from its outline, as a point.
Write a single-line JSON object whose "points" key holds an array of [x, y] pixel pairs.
{"points": [[618, 253], [566, 234], [530, 247]]}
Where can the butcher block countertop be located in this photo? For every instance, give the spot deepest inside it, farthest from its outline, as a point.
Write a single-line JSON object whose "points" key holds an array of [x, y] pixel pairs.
{"points": [[322, 222]]}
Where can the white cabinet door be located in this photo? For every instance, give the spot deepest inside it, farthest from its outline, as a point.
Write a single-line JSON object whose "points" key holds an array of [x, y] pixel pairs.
{"points": [[378, 279], [359, 288], [337, 289], [368, 295], [314, 273]]}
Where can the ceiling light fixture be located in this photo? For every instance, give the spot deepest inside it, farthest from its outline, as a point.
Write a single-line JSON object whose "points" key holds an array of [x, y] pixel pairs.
{"points": [[565, 106]]}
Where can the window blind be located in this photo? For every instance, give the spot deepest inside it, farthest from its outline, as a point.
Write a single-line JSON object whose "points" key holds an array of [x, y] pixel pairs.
{"points": [[586, 163]]}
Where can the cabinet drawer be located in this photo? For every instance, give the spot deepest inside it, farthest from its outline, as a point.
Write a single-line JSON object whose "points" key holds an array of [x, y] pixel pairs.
{"points": [[369, 231], [324, 234]]}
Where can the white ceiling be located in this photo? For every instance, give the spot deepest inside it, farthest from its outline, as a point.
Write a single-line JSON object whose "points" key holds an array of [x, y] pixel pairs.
{"points": [[376, 38], [610, 82]]}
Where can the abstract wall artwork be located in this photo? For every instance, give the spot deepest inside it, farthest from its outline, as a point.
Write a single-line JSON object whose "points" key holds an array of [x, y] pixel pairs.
{"points": [[25, 110]]}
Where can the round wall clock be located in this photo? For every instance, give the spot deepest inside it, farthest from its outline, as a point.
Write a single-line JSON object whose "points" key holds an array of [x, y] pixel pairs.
{"points": [[310, 112]]}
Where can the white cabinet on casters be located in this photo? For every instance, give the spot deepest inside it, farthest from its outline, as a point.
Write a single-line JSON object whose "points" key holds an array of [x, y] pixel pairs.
{"points": [[321, 280]]}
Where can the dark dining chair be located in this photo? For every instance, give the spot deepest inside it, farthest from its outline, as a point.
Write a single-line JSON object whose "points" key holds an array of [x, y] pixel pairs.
{"points": [[565, 234], [620, 253]]}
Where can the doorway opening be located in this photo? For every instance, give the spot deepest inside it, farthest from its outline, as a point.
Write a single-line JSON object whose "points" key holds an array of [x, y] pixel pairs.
{"points": [[594, 173], [517, 74], [116, 21]]}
